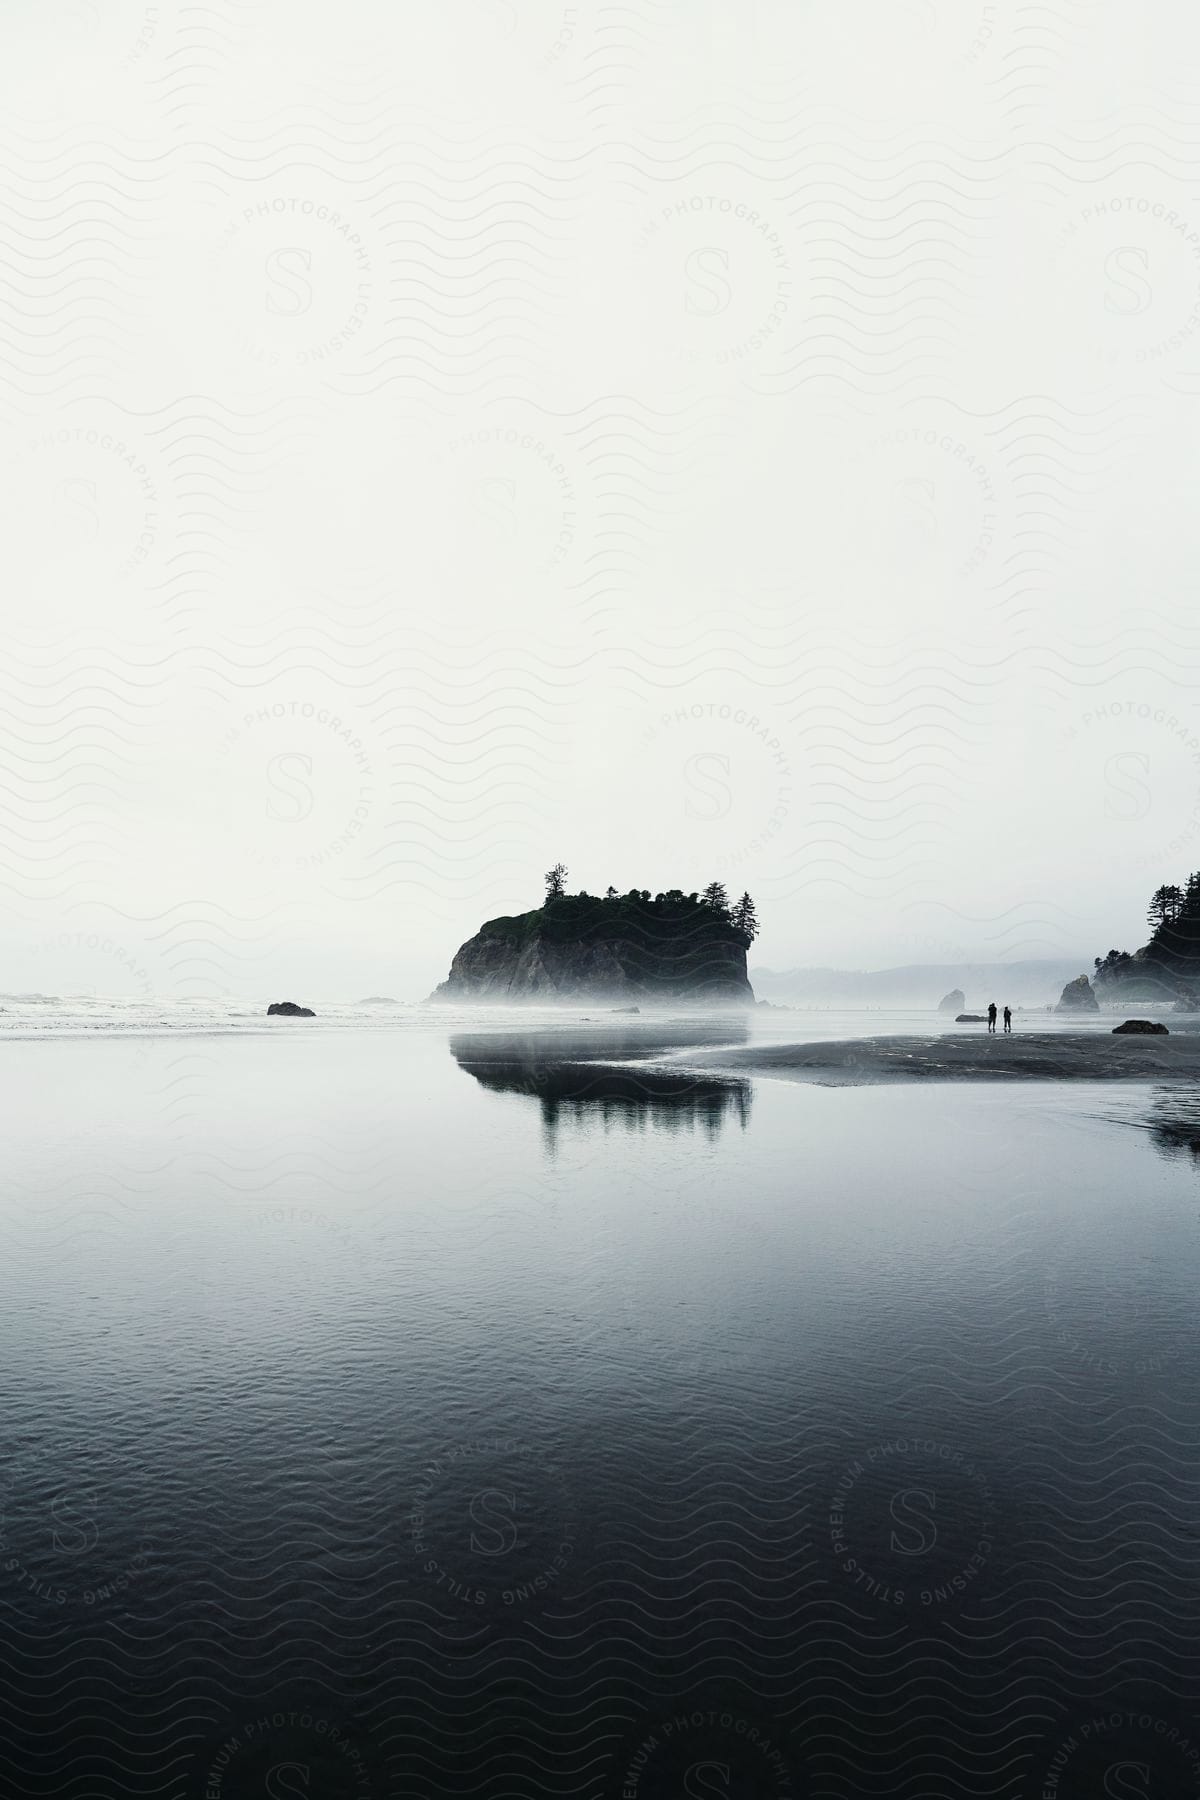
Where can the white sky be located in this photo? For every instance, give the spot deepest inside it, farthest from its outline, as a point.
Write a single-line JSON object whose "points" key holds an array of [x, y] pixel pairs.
{"points": [[545, 393]]}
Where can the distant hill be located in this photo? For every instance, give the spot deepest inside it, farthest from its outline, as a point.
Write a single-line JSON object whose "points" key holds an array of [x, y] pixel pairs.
{"points": [[1034, 983]]}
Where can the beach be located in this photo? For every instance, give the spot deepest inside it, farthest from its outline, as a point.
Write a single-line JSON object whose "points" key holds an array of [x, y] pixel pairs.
{"points": [[1063, 1055]]}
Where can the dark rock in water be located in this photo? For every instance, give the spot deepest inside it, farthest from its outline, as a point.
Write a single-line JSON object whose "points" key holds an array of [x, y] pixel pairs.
{"points": [[1078, 996], [288, 1009], [1141, 1028], [670, 950], [970, 1019], [952, 1001]]}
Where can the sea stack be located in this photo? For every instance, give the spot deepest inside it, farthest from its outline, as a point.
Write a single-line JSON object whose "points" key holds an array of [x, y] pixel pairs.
{"points": [[674, 949], [953, 1002], [1078, 996]]}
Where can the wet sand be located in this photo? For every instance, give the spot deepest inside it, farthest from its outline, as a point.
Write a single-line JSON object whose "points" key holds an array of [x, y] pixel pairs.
{"points": [[1025, 1056]]}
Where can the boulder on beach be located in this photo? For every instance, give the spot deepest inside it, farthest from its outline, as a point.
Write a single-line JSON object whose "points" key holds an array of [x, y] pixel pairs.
{"points": [[952, 1001], [1141, 1028], [1078, 996], [970, 1019], [288, 1009]]}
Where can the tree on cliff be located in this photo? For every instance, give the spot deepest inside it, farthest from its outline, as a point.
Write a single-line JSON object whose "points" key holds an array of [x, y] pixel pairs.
{"points": [[715, 896], [610, 892], [556, 881], [1170, 962], [1166, 904], [744, 918]]}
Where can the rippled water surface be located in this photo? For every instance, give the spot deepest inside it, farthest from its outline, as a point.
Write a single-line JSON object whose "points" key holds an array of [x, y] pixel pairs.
{"points": [[458, 1408]]}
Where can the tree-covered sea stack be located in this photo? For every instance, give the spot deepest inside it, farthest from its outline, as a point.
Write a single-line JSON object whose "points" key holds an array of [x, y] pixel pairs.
{"points": [[668, 947]]}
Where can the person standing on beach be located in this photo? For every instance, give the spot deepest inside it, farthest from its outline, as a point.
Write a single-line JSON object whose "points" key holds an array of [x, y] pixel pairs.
{"points": [[1008, 1018], [991, 1016]]}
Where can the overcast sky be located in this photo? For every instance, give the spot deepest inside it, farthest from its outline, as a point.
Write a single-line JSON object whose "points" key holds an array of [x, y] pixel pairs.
{"points": [[739, 440]]}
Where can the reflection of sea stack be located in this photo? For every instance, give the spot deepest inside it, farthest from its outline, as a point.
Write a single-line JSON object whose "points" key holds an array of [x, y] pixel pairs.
{"points": [[1077, 996], [556, 1068]]}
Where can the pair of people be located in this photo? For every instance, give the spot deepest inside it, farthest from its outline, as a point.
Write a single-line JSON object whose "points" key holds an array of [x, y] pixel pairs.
{"points": [[992, 1017]]}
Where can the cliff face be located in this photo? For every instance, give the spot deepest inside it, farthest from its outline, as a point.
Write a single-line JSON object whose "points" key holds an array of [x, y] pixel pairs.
{"points": [[1168, 967], [1163, 970], [1142, 977], [578, 948]]}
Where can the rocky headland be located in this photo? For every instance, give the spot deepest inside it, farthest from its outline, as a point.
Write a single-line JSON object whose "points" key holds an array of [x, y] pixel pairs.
{"points": [[1166, 969]]}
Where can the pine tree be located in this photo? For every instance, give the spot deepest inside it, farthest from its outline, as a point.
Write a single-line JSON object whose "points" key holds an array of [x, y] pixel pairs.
{"points": [[610, 893], [1165, 905], [715, 896], [745, 919], [556, 881]]}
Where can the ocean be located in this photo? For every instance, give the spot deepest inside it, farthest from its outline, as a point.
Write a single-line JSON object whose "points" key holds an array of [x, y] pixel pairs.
{"points": [[419, 1401]]}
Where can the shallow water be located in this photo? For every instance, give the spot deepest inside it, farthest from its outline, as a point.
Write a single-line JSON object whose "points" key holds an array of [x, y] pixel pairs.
{"points": [[461, 1407], [106, 1015]]}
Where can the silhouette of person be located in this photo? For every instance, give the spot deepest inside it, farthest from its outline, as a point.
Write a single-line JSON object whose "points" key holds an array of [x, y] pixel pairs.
{"points": [[1008, 1018], [991, 1015]]}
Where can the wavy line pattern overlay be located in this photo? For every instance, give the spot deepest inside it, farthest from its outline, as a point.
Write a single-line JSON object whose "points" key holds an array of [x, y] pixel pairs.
{"points": [[738, 437]]}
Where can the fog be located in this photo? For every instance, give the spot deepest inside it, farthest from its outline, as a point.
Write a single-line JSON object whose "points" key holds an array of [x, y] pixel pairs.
{"points": [[748, 441]]}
